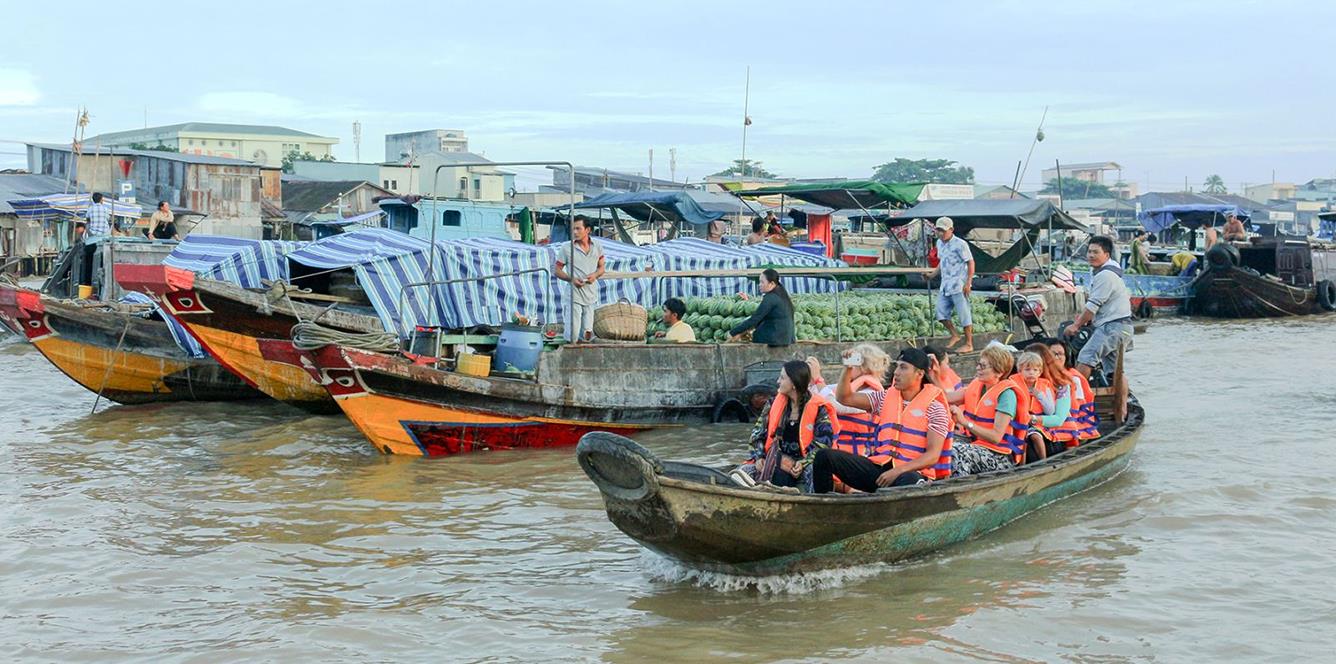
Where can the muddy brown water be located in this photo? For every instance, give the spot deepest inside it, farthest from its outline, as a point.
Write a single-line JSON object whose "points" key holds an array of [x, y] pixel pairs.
{"points": [[216, 532]]}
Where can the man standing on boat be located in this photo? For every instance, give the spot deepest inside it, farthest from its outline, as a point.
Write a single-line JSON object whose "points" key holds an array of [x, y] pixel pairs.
{"points": [[1108, 307], [957, 269], [584, 256]]}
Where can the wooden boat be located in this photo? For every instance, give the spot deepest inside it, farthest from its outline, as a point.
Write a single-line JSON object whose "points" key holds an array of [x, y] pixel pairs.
{"points": [[248, 332], [116, 353], [1268, 278], [697, 517]]}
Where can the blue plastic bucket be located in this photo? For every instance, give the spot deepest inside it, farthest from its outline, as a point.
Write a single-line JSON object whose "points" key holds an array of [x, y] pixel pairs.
{"points": [[518, 349]]}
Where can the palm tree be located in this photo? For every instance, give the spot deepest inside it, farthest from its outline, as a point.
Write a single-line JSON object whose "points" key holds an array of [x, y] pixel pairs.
{"points": [[1215, 185]]}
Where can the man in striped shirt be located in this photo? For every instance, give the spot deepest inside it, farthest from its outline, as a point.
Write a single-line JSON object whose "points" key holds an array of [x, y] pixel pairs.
{"points": [[98, 218]]}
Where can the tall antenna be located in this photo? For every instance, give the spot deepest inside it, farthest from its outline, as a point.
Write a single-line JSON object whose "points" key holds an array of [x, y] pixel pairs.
{"points": [[746, 120], [357, 141], [651, 169]]}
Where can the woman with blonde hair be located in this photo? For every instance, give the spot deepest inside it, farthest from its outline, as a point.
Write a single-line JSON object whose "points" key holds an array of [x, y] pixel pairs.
{"points": [[995, 415], [867, 372]]}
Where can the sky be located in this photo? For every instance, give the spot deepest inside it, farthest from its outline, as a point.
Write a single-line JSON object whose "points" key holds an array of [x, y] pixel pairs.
{"points": [[1169, 90]]}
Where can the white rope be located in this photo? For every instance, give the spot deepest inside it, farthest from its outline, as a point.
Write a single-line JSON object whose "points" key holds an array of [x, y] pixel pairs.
{"points": [[312, 336]]}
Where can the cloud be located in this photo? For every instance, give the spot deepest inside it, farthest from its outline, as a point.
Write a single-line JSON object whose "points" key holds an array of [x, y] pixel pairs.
{"points": [[18, 88]]}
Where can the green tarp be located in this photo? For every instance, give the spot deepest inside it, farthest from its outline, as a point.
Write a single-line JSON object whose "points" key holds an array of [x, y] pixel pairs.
{"points": [[847, 195], [1010, 213]]}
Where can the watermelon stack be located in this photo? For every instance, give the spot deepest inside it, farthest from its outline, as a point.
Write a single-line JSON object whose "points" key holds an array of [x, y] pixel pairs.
{"points": [[857, 316]]}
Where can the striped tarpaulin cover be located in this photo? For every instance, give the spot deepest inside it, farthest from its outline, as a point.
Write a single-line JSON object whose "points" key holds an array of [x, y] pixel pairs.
{"points": [[235, 260], [183, 340], [68, 205]]}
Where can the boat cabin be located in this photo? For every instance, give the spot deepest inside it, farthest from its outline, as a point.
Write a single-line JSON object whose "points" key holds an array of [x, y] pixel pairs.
{"points": [[91, 264], [455, 219], [1288, 258]]}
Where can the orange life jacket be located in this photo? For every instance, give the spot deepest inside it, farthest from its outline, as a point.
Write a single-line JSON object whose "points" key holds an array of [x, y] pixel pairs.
{"points": [[858, 431], [1042, 386], [1082, 422], [981, 408], [951, 380], [806, 424], [902, 432]]}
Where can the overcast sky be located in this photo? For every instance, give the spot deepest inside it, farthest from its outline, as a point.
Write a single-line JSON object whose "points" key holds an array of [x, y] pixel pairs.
{"points": [[1167, 89]]}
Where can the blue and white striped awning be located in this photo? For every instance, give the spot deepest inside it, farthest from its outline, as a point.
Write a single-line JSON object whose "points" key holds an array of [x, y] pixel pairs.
{"points": [[698, 254], [66, 206], [244, 262]]}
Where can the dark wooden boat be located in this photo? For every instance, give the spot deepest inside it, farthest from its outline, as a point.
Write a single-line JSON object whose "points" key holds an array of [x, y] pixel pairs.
{"points": [[696, 516], [1271, 277]]}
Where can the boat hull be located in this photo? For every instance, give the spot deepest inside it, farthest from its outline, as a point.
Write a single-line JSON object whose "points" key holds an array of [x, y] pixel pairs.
{"points": [[246, 332], [724, 528], [123, 357], [1235, 293]]}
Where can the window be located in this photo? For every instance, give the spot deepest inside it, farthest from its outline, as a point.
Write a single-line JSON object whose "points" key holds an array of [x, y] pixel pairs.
{"points": [[220, 144], [190, 142], [451, 218], [477, 187], [463, 187], [387, 185], [394, 184]]}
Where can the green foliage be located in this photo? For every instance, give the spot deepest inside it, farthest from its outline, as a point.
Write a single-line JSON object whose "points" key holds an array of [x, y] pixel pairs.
{"points": [[935, 171], [293, 156], [1215, 184], [155, 148], [745, 168], [1074, 188]]}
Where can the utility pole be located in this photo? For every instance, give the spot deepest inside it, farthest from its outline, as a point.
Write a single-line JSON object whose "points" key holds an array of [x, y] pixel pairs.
{"points": [[746, 120], [672, 164], [651, 169], [357, 141]]}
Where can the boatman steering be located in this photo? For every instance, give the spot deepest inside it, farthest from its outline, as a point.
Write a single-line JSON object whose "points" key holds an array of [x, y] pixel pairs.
{"points": [[1108, 306]]}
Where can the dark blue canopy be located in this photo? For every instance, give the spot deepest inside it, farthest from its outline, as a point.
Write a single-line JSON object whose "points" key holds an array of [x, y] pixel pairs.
{"points": [[1189, 216], [654, 205]]}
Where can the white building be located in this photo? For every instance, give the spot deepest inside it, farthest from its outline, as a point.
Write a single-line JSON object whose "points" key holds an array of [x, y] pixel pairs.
{"points": [[407, 144]]}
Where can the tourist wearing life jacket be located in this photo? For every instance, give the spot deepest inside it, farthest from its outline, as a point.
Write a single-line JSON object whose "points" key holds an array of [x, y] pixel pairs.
{"points": [[994, 411], [857, 431], [1050, 399], [1082, 423], [912, 430], [941, 374], [791, 428]]}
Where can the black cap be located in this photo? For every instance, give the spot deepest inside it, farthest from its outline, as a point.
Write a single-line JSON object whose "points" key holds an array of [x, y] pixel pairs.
{"points": [[915, 357]]}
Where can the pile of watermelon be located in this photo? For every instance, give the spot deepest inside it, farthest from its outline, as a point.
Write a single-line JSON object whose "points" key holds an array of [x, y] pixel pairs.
{"points": [[856, 316]]}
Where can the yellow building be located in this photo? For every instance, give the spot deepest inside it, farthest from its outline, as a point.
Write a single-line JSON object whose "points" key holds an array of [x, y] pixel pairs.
{"points": [[263, 144]]}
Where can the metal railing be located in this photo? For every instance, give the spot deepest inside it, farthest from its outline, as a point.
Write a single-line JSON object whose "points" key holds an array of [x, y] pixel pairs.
{"points": [[399, 306]]}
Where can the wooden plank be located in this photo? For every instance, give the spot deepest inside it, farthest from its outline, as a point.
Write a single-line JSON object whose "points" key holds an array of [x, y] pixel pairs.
{"points": [[320, 297]]}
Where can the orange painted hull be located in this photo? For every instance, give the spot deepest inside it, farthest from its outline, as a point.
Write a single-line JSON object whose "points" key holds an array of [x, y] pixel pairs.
{"points": [[399, 425], [264, 365], [127, 377]]}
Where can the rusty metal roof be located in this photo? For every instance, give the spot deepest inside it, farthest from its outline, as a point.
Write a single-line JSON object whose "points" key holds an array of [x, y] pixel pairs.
{"points": [[90, 149]]}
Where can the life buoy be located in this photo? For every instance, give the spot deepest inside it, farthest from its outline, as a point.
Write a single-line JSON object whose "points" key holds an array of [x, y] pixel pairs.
{"points": [[1144, 310], [1326, 295], [1222, 255]]}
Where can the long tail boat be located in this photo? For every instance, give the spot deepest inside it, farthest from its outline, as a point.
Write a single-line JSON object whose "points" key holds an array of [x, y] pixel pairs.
{"points": [[696, 516], [246, 331], [116, 353]]}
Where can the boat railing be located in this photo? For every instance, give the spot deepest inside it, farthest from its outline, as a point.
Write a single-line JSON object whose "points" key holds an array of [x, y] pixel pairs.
{"points": [[412, 337]]}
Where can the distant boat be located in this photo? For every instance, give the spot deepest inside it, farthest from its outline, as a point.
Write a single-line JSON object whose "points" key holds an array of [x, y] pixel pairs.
{"points": [[1269, 278]]}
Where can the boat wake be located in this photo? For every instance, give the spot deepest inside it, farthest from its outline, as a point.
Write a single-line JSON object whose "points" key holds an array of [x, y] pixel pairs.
{"points": [[659, 568]]}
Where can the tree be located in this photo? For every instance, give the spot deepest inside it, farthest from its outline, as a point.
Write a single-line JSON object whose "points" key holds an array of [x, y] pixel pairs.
{"points": [[1074, 188], [1215, 185], [935, 171], [155, 148], [293, 156], [745, 168]]}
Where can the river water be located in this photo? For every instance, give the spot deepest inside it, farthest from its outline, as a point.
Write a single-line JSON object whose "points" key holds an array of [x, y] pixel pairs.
{"points": [[211, 532]]}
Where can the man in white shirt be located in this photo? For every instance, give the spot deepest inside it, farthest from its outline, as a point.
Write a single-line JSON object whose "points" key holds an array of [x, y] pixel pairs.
{"points": [[957, 269], [585, 257]]}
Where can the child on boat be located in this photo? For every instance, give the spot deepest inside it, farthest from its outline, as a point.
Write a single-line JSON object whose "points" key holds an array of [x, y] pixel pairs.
{"points": [[1050, 399]]}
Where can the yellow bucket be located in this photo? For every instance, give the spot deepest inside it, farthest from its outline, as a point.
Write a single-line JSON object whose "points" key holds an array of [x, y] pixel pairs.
{"points": [[474, 364], [85, 292]]}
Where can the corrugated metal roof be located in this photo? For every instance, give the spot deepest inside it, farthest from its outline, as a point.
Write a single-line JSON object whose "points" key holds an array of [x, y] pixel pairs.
{"points": [[16, 186], [209, 128], [311, 195]]}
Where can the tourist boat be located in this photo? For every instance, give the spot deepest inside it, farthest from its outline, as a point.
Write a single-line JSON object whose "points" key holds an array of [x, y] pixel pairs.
{"points": [[696, 516], [123, 351], [1150, 293]]}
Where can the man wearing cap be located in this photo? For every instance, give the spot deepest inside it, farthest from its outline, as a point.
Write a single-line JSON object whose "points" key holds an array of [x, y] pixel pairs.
{"points": [[912, 426], [957, 269]]}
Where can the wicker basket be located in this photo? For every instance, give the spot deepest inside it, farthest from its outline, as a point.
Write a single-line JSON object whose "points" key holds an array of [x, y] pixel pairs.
{"points": [[621, 321]]}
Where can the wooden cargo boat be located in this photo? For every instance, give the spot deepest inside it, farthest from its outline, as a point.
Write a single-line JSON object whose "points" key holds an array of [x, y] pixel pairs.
{"points": [[248, 332], [697, 517], [1270, 277], [115, 352]]}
